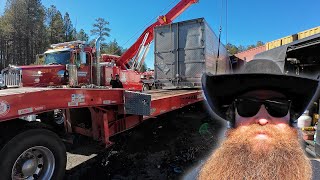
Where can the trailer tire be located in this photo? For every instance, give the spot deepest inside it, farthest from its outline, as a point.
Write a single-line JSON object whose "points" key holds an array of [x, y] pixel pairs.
{"points": [[35, 152]]}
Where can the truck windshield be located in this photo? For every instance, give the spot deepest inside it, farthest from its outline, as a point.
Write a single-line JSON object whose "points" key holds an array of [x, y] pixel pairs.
{"points": [[59, 57]]}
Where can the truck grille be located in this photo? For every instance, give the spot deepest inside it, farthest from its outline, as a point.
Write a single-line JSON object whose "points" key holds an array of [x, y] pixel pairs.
{"points": [[11, 77]]}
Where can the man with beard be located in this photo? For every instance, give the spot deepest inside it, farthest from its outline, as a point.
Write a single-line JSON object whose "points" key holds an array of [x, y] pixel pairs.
{"points": [[261, 142]]}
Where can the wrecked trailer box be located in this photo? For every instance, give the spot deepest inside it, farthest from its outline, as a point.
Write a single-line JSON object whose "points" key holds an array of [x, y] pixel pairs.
{"points": [[299, 57], [184, 51]]}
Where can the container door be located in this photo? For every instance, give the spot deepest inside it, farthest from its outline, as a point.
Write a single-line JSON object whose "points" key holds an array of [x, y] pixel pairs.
{"points": [[165, 66], [191, 52], [166, 54]]}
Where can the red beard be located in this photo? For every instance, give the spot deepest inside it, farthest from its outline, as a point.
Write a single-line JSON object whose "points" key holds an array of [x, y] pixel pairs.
{"points": [[258, 152]]}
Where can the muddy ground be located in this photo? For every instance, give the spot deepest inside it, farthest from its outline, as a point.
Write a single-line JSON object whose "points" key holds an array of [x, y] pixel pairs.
{"points": [[162, 148]]}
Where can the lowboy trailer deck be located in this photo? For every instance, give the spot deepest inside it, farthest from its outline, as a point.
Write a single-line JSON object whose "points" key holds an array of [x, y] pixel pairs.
{"points": [[98, 113]]}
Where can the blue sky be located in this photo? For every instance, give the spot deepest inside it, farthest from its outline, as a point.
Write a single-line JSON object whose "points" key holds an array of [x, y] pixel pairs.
{"points": [[248, 20]]}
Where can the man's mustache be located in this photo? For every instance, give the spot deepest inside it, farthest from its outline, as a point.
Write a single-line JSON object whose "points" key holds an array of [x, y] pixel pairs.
{"points": [[254, 129]]}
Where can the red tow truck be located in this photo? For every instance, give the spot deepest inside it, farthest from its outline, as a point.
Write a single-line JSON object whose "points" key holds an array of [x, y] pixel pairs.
{"points": [[89, 65], [31, 142]]}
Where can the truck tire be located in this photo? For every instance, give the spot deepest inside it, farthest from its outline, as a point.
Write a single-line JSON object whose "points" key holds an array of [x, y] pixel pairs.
{"points": [[34, 153]]}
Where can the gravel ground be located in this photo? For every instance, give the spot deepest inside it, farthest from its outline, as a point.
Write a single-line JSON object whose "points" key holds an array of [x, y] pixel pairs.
{"points": [[161, 148]]}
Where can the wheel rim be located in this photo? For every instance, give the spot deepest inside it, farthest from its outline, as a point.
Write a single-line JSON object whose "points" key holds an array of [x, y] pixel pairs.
{"points": [[58, 116], [34, 163]]}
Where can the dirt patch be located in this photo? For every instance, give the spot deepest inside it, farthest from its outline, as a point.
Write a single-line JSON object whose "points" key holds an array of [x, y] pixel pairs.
{"points": [[161, 148]]}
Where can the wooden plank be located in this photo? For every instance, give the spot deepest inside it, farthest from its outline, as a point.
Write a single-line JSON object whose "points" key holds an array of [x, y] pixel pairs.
{"points": [[159, 94], [166, 101], [13, 91]]}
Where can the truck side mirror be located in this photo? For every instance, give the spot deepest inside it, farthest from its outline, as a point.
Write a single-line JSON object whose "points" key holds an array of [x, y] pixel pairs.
{"points": [[83, 58]]}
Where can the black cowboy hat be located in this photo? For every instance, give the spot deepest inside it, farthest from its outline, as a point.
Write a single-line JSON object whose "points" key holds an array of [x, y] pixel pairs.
{"points": [[221, 90]]}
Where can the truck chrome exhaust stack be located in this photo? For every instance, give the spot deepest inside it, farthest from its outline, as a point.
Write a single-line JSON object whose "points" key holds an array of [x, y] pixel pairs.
{"points": [[97, 61], [73, 74]]}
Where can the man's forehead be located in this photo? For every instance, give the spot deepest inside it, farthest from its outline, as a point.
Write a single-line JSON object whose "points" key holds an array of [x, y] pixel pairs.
{"points": [[264, 94]]}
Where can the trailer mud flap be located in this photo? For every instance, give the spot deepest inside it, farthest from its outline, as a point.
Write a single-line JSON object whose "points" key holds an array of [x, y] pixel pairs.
{"points": [[137, 103]]}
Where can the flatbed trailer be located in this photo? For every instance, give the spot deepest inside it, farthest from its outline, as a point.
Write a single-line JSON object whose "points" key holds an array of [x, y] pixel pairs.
{"points": [[96, 113]]}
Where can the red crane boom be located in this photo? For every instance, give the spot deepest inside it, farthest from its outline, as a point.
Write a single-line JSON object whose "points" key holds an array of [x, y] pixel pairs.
{"points": [[147, 36]]}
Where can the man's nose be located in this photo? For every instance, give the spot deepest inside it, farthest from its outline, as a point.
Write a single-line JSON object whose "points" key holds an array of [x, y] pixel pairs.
{"points": [[263, 121], [262, 117]]}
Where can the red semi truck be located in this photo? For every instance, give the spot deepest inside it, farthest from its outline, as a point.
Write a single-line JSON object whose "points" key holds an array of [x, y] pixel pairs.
{"points": [[88, 64], [70, 57]]}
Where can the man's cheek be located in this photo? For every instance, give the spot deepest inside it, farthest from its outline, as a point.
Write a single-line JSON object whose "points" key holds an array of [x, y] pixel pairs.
{"points": [[281, 126], [242, 121], [283, 120]]}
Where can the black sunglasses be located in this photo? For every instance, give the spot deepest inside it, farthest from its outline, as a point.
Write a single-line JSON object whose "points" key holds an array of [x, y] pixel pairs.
{"points": [[249, 107]]}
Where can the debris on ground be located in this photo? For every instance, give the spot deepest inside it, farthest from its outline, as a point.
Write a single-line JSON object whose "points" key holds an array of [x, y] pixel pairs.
{"points": [[161, 148]]}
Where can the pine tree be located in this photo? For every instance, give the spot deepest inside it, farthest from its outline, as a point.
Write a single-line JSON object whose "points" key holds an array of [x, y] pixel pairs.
{"points": [[112, 48], [57, 28], [55, 25], [260, 43], [232, 49], [2, 43], [23, 30], [100, 28], [82, 36], [68, 28], [36, 35]]}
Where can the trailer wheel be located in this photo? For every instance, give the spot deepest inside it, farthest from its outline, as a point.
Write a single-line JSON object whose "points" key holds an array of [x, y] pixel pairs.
{"points": [[33, 154], [58, 116]]}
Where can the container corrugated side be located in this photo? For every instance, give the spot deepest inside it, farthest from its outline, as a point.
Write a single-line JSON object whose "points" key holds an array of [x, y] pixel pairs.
{"points": [[286, 40], [279, 42], [273, 44], [184, 51], [309, 32]]}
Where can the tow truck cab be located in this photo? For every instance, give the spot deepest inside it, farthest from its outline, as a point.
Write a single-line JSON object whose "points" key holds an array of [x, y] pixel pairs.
{"points": [[54, 69]]}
